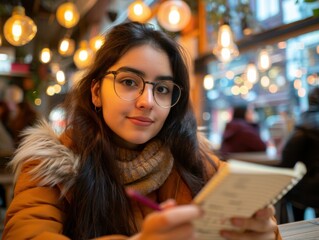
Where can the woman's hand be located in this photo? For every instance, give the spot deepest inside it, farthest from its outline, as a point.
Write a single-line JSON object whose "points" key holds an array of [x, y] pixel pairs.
{"points": [[261, 226], [173, 222]]}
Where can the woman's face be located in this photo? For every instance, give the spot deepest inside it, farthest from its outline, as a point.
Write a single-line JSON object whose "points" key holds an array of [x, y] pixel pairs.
{"points": [[134, 122]]}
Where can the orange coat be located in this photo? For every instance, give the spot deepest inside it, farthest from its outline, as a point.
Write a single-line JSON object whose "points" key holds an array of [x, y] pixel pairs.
{"points": [[37, 209]]}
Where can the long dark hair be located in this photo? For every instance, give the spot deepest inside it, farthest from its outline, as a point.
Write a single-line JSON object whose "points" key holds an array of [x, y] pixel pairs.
{"points": [[99, 205]]}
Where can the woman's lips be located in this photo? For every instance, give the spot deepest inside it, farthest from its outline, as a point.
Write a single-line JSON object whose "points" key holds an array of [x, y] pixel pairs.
{"points": [[141, 121]]}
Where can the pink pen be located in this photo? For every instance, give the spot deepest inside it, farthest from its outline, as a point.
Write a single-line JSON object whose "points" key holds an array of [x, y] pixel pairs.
{"points": [[142, 199]]}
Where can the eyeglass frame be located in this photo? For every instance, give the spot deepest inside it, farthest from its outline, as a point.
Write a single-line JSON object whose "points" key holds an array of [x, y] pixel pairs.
{"points": [[154, 84]]}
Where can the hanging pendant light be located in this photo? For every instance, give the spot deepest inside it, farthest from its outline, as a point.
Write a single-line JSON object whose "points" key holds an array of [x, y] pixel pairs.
{"points": [[67, 15], [83, 57], [225, 49], [96, 42], [19, 29], [174, 15], [139, 11], [252, 74], [66, 47], [45, 55], [264, 61]]}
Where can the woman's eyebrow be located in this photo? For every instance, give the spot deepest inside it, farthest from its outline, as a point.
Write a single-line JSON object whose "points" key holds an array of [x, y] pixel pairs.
{"points": [[143, 75], [133, 70]]}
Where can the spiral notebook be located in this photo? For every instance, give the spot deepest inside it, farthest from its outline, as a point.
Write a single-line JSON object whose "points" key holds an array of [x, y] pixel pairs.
{"points": [[240, 189]]}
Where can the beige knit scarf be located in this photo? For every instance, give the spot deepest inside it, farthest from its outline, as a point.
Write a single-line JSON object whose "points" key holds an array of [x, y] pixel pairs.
{"points": [[146, 170]]}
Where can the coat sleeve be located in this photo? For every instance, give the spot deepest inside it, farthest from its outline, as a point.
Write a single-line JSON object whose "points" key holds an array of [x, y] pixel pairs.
{"points": [[37, 212], [34, 210]]}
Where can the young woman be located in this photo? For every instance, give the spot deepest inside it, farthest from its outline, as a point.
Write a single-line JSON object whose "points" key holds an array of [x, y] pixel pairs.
{"points": [[130, 124]]}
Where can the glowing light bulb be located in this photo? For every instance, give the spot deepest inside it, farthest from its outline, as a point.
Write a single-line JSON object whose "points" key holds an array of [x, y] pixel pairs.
{"points": [[67, 15], [174, 15], [96, 42], [139, 11], [66, 47], [225, 49], [264, 61], [19, 29], [45, 55], [83, 57]]}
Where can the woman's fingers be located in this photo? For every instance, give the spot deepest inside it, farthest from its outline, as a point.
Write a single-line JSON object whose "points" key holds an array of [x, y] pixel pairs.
{"points": [[172, 217], [261, 226], [171, 223]]}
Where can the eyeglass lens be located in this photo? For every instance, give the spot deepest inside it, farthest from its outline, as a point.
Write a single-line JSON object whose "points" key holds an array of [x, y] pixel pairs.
{"points": [[129, 86]]}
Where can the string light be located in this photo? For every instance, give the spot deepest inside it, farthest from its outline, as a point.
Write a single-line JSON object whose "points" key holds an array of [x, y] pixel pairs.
{"points": [[66, 47], [139, 11], [67, 15], [96, 42], [174, 15], [225, 49], [83, 57], [19, 29], [45, 55]]}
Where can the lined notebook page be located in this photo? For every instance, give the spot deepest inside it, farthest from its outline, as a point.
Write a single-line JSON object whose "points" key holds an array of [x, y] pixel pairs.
{"points": [[240, 189]]}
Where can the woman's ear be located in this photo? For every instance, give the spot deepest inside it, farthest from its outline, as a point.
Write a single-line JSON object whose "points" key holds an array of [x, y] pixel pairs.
{"points": [[96, 93]]}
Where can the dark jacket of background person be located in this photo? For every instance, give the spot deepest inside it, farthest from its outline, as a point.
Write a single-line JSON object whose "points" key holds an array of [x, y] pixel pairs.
{"points": [[240, 135], [303, 145]]}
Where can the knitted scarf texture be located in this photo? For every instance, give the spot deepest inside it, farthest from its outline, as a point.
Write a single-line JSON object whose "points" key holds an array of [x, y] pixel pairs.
{"points": [[146, 170]]}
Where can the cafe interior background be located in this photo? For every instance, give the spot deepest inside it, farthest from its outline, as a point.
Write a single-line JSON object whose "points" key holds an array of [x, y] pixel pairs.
{"points": [[262, 52]]}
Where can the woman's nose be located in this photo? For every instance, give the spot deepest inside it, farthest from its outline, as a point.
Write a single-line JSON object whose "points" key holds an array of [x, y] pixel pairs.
{"points": [[146, 100]]}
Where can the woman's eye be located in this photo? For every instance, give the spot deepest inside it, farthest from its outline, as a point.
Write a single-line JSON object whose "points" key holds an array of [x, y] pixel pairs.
{"points": [[129, 82], [162, 89]]}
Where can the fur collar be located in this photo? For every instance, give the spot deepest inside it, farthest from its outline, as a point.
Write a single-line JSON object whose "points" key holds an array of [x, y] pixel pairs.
{"points": [[57, 163]]}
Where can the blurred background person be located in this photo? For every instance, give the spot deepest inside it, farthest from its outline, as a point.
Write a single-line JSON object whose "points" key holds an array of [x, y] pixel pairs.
{"points": [[6, 141], [303, 145], [241, 135], [25, 116], [21, 112]]}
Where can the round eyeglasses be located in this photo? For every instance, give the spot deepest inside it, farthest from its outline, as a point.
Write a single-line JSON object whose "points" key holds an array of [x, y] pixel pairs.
{"points": [[129, 86]]}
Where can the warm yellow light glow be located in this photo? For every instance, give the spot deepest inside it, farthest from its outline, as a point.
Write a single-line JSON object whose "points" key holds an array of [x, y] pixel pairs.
{"points": [[297, 84], [208, 82], [264, 61], [83, 57], [50, 91], [19, 29], [96, 42], [67, 15], [282, 45], [139, 11], [301, 92], [37, 101], [60, 77], [252, 73], [225, 49], [265, 81], [45, 55], [174, 15], [57, 88], [312, 79], [273, 88], [66, 47], [230, 74], [235, 90]]}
